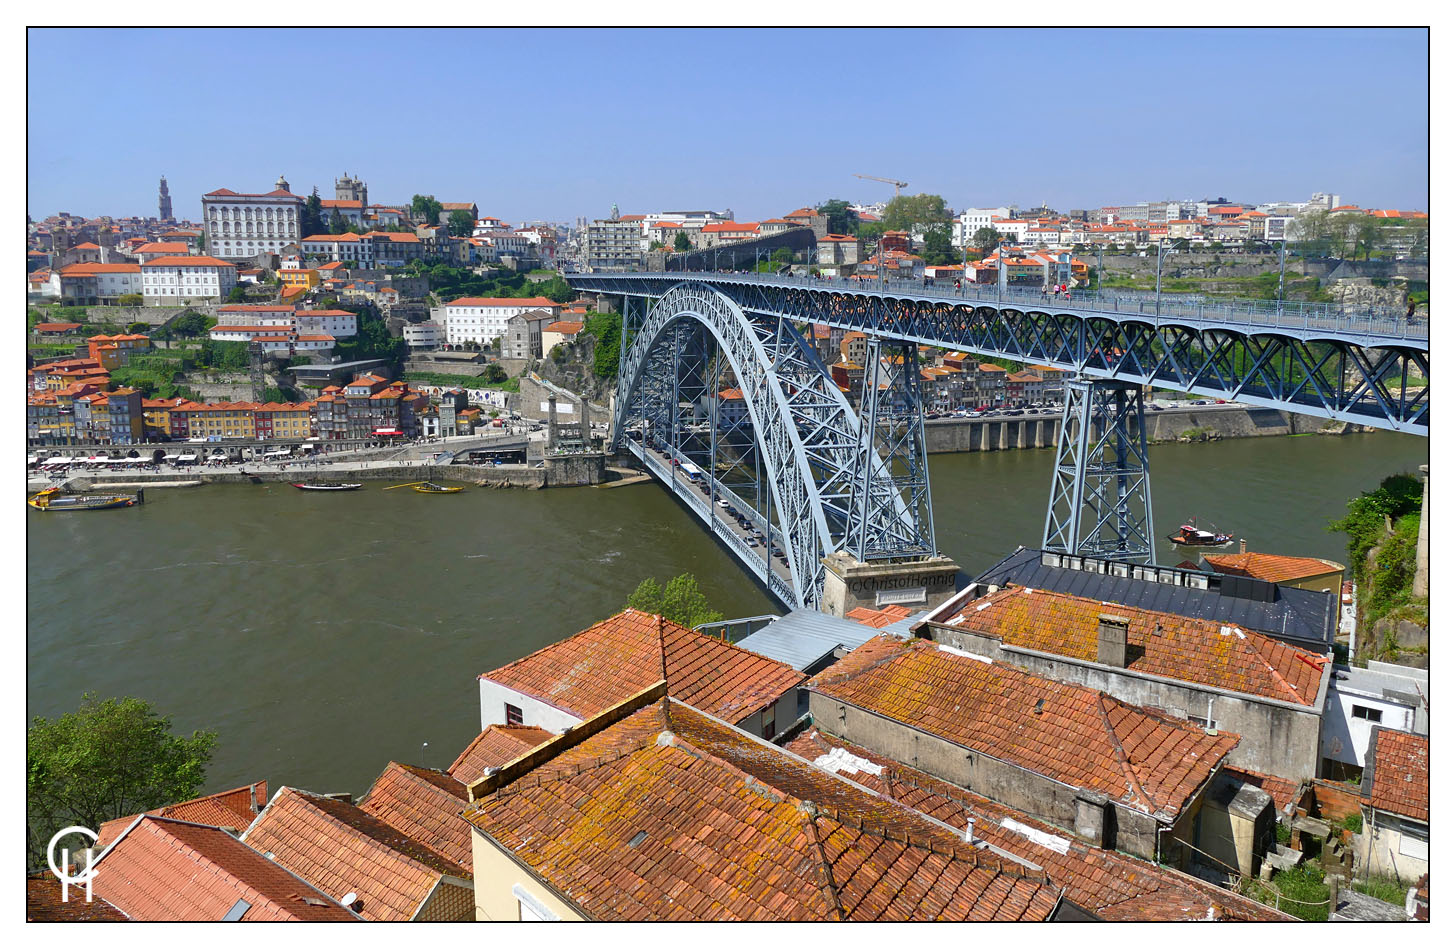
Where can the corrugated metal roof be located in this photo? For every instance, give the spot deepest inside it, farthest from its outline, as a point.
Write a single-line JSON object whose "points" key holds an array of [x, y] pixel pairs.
{"points": [[1302, 617], [803, 637]]}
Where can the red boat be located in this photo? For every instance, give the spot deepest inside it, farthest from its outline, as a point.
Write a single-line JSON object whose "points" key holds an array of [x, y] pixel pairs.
{"points": [[1191, 535]]}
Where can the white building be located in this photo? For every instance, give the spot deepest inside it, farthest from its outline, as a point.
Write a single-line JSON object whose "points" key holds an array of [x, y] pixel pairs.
{"points": [[1385, 695], [240, 226], [176, 280], [93, 284], [426, 335], [482, 319], [255, 314], [972, 220], [340, 247], [336, 323]]}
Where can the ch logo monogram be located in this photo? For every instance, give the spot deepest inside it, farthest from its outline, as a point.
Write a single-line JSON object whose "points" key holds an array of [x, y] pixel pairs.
{"points": [[61, 867]]}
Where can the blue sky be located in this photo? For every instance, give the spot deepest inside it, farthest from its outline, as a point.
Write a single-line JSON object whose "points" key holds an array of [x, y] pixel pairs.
{"points": [[551, 124]]}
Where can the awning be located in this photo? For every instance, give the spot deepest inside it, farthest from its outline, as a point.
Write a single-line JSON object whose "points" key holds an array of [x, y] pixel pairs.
{"points": [[187, 457], [388, 431]]}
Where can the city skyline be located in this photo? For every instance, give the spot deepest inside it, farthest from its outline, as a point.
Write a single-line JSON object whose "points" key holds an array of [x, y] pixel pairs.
{"points": [[577, 139]]}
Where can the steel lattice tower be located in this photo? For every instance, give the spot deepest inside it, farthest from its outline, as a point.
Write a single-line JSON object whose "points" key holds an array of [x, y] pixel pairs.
{"points": [[1101, 500]]}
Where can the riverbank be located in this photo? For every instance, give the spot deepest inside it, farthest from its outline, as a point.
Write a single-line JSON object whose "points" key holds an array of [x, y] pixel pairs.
{"points": [[1195, 423]]}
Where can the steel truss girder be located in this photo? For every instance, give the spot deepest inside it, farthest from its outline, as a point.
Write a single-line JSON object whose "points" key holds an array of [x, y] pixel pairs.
{"points": [[1101, 501], [1364, 380], [891, 509], [807, 435]]}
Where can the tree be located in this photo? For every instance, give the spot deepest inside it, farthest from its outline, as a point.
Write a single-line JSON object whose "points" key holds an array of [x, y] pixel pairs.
{"points": [[108, 759], [461, 223], [841, 218], [656, 245], [782, 255], [938, 249], [425, 206], [680, 601], [681, 244], [190, 324], [337, 224], [312, 219], [494, 373], [908, 210], [871, 230], [237, 294], [986, 239], [138, 328], [130, 299]]}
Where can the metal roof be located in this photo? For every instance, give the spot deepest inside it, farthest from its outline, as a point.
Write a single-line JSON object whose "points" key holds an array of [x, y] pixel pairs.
{"points": [[803, 637], [1302, 617]]}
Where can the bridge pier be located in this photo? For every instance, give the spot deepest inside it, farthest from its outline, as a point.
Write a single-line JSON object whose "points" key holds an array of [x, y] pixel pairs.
{"points": [[918, 585]]}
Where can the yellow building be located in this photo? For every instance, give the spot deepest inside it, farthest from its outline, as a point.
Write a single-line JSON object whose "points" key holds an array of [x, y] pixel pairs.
{"points": [[1306, 573], [304, 278], [221, 419], [284, 420]]}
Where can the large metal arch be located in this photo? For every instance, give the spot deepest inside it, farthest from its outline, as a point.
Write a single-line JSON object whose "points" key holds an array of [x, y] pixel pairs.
{"points": [[795, 491]]}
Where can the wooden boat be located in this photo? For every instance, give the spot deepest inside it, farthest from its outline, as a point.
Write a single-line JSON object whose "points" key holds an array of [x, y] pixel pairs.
{"points": [[1191, 535], [51, 499], [326, 485], [427, 487]]}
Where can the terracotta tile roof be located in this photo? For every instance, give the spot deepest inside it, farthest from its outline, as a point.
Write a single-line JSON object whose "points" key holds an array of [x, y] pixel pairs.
{"points": [[1286, 793], [55, 327], [341, 849], [672, 815], [1076, 735], [880, 618], [565, 327], [186, 261], [1275, 568], [602, 665], [493, 747], [232, 810], [163, 247], [533, 302], [425, 806], [1105, 882], [164, 870], [1401, 783], [43, 903], [1161, 644]]}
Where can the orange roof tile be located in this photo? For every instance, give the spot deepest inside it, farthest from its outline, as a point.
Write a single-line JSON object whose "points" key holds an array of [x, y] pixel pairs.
{"points": [[493, 747], [425, 806], [672, 815], [1112, 885], [232, 810], [194, 261], [1160, 644], [533, 302], [1401, 775], [167, 870], [878, 619], [604, 664], [1275, 568], [43, 903], [1073, 734], [341, 849]]}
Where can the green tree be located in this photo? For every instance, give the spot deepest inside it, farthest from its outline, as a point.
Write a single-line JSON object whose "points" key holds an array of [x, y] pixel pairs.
{"points": [[337, 224], [138, 328], [425, 206], [656, 245], [312, 219], [681, 244], [841, 218], [494, 373], [680, 601], [908, 210], [938, 249], [461, 223], [607, 328], [129, 299], [107, 759], [237, 294], [782, 255], [190, 324], [985, 239], [871, 230]]}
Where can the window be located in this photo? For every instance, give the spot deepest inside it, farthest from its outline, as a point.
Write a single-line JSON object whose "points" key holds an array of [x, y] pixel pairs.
{"points": [[513, 715], [1369, 714]]}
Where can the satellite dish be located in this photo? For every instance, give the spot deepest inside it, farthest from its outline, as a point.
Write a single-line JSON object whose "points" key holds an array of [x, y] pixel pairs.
{"points": [[349, 898]]}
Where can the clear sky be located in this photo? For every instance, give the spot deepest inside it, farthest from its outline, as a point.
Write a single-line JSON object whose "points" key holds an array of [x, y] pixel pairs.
{"points": [[552, 124]]}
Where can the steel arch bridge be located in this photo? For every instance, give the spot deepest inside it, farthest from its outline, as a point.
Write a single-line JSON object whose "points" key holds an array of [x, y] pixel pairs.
{"points": [[797, 465], [825, 478]]}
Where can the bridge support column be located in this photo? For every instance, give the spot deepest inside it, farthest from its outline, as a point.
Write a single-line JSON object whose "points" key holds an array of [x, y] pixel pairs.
{"points": [[1101, 498], [921, 584]]}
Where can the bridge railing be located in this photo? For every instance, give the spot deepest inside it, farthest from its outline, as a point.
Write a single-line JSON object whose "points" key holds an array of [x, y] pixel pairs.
{"points": [[1382, 321]]}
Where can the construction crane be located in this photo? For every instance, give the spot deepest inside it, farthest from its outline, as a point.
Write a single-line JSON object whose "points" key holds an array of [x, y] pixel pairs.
{"points": [[889, 181]]}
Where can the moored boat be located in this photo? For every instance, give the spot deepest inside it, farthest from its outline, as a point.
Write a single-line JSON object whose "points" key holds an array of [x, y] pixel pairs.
{"points": [[326, 485], [51, 499], [428, 487], [1191, 535]]}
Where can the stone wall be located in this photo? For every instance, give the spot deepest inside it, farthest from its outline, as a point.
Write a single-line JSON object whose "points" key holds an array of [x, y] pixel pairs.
{"points": [[150, 315]]}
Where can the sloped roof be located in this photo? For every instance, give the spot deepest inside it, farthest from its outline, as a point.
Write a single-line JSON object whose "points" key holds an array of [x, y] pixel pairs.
{"points": [[1162, 644], [232, 810], [1400, 777], [672, 815], [341, 849], [168, 870], [1073, 734], [425, 806], [43, 903], [1110, 884], [617, 657], [493, 747], [1275, 568]]}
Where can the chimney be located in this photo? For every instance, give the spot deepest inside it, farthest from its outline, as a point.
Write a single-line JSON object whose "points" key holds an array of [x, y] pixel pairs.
{"points": [[1090, 820], [1112, 640], [1243, 545]]}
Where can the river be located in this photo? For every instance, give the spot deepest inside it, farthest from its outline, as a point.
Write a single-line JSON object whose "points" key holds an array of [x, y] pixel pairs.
{"points": [[322, 635]]}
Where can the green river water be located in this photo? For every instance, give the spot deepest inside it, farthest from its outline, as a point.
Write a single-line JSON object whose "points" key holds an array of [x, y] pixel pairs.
{"points": [[324, 634]]}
